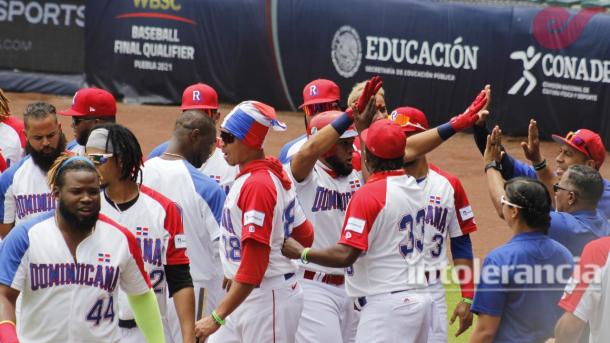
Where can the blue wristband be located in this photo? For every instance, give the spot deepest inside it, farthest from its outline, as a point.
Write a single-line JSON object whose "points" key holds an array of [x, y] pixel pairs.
{"points": [[445, 131], [342, 123]]}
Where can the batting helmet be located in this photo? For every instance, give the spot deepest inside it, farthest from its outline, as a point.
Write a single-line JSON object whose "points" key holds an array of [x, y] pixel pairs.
{"points": [[322, 119]]}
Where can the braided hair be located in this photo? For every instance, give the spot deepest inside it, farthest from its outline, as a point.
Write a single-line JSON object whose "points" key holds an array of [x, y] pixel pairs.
{"points": [[5, 111], [126, 149], [65, 162], [535, 199]]}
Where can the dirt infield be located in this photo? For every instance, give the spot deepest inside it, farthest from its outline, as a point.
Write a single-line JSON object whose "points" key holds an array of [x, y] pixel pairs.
{"points": [[153, 125]]}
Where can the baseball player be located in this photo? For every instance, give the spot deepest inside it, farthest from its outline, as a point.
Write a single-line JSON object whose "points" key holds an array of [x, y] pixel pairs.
{"points": [[586, 299], [264, 301], [155, 222], [12, 144], [325, 182], [203, 98], [24, 192], [174, 175], [68, 265], [90, 106], [381, 245], [319, 95], [449, 219]]}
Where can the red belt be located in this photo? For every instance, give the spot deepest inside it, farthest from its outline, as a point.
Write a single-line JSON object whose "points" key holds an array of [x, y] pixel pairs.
{"points": [[330, 279]]}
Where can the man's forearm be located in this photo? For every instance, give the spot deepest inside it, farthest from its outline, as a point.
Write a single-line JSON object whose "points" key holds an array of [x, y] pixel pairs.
{"points": [[495, 183], [184, 300], [7, 310], [336, 256], [237, 294]]}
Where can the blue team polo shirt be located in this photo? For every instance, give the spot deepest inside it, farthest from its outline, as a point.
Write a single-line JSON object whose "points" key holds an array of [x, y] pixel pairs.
{"points": [[523, 169], [574, 230], [528, 309]]}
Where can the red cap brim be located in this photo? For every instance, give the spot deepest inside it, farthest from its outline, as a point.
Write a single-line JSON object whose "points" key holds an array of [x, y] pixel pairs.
{"points": [[71, 113], [198, 107]]}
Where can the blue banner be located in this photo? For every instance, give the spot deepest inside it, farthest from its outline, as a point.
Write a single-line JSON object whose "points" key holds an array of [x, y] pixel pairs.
{"points": [[547, 63]]}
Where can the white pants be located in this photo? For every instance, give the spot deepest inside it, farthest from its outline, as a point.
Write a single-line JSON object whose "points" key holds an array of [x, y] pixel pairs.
{"points": [[207, 296], [328, 314], [438, 331], [270, 314], [395, 318]]}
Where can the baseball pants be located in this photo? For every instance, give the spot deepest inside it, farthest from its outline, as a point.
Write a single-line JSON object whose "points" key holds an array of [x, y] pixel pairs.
{"points": [[398, 317], [270, 314], [207, 296], [438, 331], [135, 335], [328, 314]]}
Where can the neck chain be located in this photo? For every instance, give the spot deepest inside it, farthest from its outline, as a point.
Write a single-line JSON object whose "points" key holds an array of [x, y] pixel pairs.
{"points": [[174, 155]]}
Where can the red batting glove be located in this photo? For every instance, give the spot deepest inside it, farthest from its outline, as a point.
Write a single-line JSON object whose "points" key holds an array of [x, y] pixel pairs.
{"points": [[371, 88], [8, 332], [469, 117]]}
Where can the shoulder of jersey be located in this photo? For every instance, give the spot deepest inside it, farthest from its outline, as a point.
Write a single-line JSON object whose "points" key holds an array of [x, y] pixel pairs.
{"points": [[203, 184], [158, 150], [158, 197], [71, 145], [9, 174], [115, 225], [31, 222], [453, 180]]}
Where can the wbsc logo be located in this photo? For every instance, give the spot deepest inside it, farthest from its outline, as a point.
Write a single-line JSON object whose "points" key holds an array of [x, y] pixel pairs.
{"points": [[346, 51]]}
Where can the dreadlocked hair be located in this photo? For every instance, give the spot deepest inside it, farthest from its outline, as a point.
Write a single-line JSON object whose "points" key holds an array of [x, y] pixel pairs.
{"points": [[126, 150], [64, 163], [5, 111]]}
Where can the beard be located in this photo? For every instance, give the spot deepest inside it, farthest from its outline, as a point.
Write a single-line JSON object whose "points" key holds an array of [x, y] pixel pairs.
{"points": [[83, 224], [44, 159], [340, 168]]}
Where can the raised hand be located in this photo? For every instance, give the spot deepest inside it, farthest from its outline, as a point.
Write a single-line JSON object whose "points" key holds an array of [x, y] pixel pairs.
{"points": [[493, 149], [472, 113], [531, 148], [371, 88]]}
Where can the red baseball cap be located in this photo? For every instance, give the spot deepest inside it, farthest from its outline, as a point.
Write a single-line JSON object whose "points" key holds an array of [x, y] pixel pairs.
{"points": [[587, 142], [94, 102], [320, 91], [410, 119], [385, 139], [199, 97]]}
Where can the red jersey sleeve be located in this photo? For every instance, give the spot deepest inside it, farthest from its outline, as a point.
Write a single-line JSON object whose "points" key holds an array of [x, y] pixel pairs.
{"points": [[176, 246], [257, 201], [254, 262], [361, 214], [593, 258], [464, 213]]}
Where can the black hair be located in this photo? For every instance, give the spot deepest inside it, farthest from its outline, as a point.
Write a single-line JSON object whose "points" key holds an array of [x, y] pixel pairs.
{"points": [[126, 150], [378, 164], [586, 182], [535, 199], [38, 110], [55, 176]]}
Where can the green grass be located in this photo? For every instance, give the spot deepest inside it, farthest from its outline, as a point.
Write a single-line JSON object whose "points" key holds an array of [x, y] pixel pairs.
{"points": [[453, 296]]}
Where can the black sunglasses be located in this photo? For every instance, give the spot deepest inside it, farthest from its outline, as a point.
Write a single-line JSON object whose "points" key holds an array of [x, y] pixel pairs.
{"points": [[78, 120], [557, 187], [226, 137]]}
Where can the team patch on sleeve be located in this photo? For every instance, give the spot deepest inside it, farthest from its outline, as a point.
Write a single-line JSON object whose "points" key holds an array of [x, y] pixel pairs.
{"points": [[355, 225], [180, 241], [254, 217], [466, 213]]}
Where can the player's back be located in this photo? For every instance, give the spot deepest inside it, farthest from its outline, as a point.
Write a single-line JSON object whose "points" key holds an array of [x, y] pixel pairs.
{"points": [[10, 144], [291, 148], [201, 201], [393, 260]]}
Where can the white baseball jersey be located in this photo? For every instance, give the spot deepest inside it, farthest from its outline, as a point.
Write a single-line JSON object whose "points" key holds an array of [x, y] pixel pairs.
{"points": [[75, 148], [385, 220], [291, 148], [63, 300], [24, 192], [259, 207], [448, 215], [219, 170], [10, 145], [155, 222], [586, 295], [200, 200], [324, 199]]}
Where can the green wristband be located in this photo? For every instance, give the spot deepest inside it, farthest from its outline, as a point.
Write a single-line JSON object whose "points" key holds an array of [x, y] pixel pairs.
{"points": [[467, 301], [304, 255], [217, 318]]}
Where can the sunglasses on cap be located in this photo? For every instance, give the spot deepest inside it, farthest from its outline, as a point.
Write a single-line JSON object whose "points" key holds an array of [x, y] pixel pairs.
{"points": [[314, 109], [503, 201], [226, 137], [404, 120], [99, 159], [578, 141]]}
